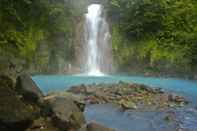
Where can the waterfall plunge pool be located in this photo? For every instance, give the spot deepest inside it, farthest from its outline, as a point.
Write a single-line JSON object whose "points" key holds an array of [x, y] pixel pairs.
{"points": [[126, 121]]}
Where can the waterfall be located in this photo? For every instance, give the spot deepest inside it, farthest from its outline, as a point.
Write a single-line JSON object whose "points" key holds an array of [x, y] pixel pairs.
{"points": [[97, 42]]}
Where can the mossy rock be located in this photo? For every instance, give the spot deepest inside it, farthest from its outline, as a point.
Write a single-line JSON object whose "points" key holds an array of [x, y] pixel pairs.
{"points": [[5, 81], [43, 124], [65, 113], [28, 88], [14, 113], [128, 104]]}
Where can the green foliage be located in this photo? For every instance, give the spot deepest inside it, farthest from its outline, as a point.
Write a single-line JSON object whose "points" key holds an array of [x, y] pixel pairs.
{"points": [[122, 50], [161, 32], [20, 44], [24, 24]]}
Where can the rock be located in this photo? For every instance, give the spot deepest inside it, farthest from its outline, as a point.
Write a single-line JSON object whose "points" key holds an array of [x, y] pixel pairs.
{"points": [[78, 89], [30, 91], [78, 99], [129, 96], [15, 114], [172, 97], [43, 124], [170, 117], [80, 105], [164, 97], [65, 113], [128, 105], [91, 90], [92, 100], [97, 127], [83, 89], [195, 77], [178, 99], [83, 128]]}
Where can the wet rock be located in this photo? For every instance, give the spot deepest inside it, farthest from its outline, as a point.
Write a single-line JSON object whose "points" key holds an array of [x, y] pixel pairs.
{"points": [[97, 127], [172, 97], [30, 91], [178, 99], [66, 115], [128, 105], [15, 114], [164, 97]]}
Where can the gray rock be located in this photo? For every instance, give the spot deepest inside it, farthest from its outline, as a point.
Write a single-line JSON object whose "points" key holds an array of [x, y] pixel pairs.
{"points": [[27, 87], [128, 105], [195, 77], [66, 114], [83, 128], [77, 99]]}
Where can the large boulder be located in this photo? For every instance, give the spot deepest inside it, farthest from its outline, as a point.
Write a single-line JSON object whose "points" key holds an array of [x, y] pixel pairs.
{"points": [[15, 114], [77, 99], [66, 114], [27, 87]]}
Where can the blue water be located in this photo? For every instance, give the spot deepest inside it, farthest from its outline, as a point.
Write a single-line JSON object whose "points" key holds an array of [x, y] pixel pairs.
{"points": [[133, 120], [111, 116], [49, 83]]}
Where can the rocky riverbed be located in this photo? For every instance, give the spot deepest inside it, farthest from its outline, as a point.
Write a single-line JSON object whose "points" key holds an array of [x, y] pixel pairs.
{"points": [[129, 96]]}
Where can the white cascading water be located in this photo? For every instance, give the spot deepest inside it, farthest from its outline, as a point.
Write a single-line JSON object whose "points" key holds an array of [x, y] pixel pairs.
{"points": [[97, 38]]}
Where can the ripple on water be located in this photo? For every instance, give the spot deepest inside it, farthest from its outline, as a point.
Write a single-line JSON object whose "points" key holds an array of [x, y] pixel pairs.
{"points": [[113, 117]]}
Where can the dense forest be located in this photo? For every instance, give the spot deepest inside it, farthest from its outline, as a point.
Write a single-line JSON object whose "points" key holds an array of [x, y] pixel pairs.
{"points": [[35, 33], [148, 36], [159, 36]]}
